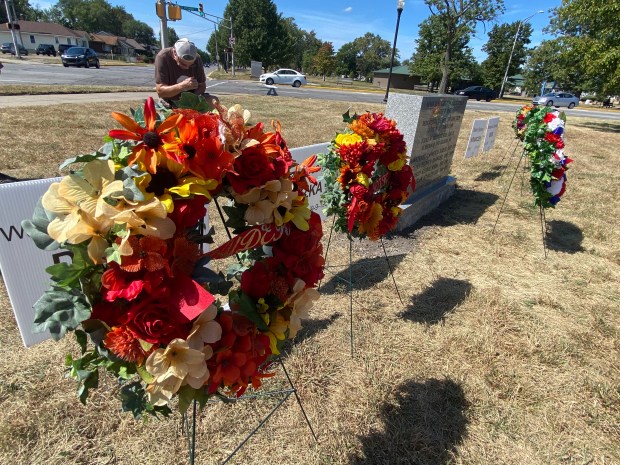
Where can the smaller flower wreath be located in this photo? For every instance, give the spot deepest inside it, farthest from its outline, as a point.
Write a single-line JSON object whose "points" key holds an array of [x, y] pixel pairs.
{"points": [[366, 176], [543, 141]]}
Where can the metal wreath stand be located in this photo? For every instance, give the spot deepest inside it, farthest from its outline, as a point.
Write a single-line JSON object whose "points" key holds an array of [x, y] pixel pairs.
{"points": [[189, 421], [543, 219], [350, 282]]}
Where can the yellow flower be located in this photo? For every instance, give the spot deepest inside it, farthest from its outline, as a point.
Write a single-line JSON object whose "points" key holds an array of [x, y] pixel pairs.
{"points": [[398, 164], [80, 207], [300, 213], [277, 331], [172, 366], [363, 179], [205, 330], [348, 139], [301, 301]]}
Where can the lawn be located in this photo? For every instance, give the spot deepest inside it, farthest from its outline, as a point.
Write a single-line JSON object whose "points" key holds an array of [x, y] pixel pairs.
{"points": [[497, 355]]}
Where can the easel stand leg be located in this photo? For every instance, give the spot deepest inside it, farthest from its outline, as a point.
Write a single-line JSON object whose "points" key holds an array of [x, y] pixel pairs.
{"points": [[329, 241], [543, 227], [391, 272], [303, 411], [351, 291], [191, 434], [507, 190], [508, 161]]}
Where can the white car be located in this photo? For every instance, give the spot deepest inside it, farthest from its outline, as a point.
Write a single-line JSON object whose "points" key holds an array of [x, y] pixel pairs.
{"points": [[284, 76], [557, 99]]}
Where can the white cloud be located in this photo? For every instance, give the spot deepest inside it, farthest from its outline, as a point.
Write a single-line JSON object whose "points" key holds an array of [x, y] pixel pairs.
{"points": [[348, 9]]}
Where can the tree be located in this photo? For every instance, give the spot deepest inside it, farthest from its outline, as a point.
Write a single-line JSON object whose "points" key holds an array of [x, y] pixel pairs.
{"points": [[139, 31], [21, 10], [259, 31], [590, 30], [364, 55], [172, 36], [430, 51], [552, 61], [458, 19], [324, 60], [498, 49]]}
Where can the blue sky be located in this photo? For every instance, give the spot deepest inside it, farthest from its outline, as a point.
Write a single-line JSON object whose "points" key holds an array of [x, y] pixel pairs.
{"points": [[341, 21]]}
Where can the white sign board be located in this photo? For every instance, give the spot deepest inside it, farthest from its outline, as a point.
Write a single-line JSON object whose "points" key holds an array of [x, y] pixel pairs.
{"points": [[489, 140], [21, 262], [475, 138], [314, 197]]}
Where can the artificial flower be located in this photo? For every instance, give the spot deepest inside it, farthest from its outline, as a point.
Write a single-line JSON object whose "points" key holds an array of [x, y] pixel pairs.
{"points": [[149, 150]]}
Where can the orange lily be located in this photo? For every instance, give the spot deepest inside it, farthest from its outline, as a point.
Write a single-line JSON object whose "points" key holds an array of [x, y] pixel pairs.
{"points": [[151, 138]]}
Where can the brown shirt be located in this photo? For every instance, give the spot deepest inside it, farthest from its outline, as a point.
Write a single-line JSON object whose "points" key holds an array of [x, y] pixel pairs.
{"points": [[167, 72]]}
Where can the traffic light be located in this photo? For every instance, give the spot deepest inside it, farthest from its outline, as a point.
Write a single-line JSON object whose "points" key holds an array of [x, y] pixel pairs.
{"points": [[160, 9], [200, 8], [174, 12]]}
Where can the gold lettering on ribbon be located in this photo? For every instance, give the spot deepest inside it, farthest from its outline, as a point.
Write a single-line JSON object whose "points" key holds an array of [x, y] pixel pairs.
{"points": [[380, 183], [250, 239]]}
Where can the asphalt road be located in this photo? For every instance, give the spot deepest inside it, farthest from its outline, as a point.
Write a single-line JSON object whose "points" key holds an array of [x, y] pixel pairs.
{"points": [[36, 73]]}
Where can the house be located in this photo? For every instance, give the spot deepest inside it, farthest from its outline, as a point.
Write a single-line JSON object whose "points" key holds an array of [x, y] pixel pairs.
{"points": [[105, 43], [401, 78], [32, 33]]}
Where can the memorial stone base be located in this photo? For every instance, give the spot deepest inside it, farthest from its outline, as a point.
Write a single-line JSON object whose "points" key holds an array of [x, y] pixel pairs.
{"points": [[422, 202]]}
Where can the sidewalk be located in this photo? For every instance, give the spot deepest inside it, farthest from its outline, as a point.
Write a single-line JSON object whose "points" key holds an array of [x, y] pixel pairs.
{"points": [[57, 99]]}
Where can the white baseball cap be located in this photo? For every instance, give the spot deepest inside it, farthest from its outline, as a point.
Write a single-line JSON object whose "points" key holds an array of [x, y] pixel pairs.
{"points": [[186, 50]]}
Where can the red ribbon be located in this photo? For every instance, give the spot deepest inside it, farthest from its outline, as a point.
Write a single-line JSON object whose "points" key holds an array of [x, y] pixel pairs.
{"points": [[250, 239]]}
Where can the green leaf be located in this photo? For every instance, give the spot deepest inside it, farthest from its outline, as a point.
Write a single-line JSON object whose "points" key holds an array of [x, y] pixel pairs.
{"points": [[59, 310], [82, 339], [88, 380], [81, 159], [194, 102], [247, 307], [36, 228], [145, 375]]}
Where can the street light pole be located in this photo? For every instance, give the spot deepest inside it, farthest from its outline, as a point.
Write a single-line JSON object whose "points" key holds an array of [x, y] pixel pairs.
{"points": [[399, 9], [501, 92]]}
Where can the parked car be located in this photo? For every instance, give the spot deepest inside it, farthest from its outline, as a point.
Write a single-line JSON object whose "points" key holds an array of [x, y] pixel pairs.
{"points": [[557, 99], [45, 49], [477, 92], [22, 50], [80, 56], [6, 47], [284, 76], [64, 47]]}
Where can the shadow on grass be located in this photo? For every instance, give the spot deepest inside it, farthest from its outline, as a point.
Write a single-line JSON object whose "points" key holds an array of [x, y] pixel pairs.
{"points": [[309, 329], [563, 236], [464, 207], [423, 426], [603, 127], [441, 298], [365, 274], [488, 176]]}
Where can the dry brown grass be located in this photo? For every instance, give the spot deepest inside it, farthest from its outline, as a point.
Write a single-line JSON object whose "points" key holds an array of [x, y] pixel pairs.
{"points": [[498, 356]]}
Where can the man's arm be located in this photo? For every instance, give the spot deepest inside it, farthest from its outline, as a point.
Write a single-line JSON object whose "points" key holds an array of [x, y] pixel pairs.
{"points": [[188, 85]]}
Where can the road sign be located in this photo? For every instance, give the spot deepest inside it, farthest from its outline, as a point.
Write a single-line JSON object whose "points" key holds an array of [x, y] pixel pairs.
{"points": [[231, 41]]}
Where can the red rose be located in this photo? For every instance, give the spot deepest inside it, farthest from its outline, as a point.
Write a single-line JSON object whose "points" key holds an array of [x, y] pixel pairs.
{"points": [[254, 169], [256, 281], [157, 322], [188, 212]]}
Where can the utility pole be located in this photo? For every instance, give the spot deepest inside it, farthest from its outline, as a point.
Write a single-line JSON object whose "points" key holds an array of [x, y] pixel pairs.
{"points": [[163, 22], [232, 47], [12, 27]]}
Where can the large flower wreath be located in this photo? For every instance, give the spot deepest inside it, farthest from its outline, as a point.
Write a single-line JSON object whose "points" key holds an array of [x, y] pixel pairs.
{"points": [[543, 142], [366, 176], [138, 293]]}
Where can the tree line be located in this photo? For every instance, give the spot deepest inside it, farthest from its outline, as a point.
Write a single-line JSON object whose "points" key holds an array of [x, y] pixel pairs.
{"points": [[584, 56]]}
